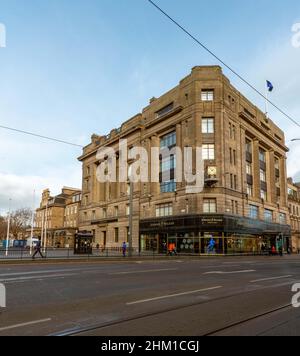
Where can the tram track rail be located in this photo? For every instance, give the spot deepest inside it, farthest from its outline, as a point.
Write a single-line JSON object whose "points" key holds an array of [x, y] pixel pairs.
{"points": [[77, 331]]}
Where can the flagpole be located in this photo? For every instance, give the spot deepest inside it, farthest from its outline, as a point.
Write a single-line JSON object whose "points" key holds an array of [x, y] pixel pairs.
{"points": [[266, 102], [45, 232], [8, 230], [42, 230]]}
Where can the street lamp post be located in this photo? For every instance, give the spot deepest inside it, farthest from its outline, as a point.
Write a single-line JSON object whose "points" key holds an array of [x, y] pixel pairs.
{"points": [[131, 188], [130, 219], [282, 239], [8, 228], [32, 222], [46, 226]]}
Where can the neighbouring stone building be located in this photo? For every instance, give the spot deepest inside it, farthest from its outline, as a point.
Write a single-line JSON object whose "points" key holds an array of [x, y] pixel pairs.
{"points": [[294, 208], [57, 217], [243, 207]]}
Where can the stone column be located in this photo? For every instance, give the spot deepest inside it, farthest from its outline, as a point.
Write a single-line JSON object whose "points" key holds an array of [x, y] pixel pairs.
{"points": [[179, 145], [155, 187], [256, 169], [241, 163], [272, 192], [283, 182]]}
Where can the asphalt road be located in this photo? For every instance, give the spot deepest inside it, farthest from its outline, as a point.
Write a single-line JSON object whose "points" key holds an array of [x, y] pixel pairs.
{"points": [[205, 296]]}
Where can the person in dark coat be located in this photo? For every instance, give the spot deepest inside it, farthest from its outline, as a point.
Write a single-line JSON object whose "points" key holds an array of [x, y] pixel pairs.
{"points": [[38, 250], [124, 248]]}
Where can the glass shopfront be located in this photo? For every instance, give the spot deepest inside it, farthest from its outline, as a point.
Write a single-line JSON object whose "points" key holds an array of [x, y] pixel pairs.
{"points": [[212, 243], [213, 234], [209, 243], [239, 244]]}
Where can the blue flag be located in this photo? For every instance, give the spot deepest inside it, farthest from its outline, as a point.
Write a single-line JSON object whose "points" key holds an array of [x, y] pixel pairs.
{"points": [[270, 86]]}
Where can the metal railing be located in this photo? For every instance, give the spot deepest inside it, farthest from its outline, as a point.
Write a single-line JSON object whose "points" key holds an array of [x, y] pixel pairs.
{"points": [[114, 252]]}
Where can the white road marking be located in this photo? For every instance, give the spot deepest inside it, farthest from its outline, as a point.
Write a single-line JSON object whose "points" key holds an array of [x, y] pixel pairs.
{"points": [[36, 277], [270, 279], [25, 324], [231, 272], [173, 295], [144, 271], [37, 272]]}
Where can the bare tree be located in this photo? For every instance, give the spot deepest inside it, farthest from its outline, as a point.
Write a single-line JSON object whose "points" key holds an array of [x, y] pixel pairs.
{"points": [[3, 228], [20, 221]]}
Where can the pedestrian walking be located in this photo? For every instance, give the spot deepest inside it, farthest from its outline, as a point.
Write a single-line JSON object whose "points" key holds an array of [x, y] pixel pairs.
{"points": [[124, 249], [38, 250], [273, 251]]}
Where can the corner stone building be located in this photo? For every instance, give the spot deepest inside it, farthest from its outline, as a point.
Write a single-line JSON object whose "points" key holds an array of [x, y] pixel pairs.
{"points": [[57, 217], [243, 207]]}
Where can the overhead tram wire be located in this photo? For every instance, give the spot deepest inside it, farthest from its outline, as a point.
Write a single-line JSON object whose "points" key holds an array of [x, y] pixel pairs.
{"points": [[40, 136], [222, 62]]}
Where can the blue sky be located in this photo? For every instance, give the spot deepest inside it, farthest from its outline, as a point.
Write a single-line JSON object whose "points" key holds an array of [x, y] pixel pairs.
{"points": [[72, 68]]}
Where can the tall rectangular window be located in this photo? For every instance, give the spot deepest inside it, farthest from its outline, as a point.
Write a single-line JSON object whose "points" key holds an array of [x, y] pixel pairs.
{"points": [[253, 212], [248, 146], [209, 206], [116, 209], [249, 169], [127, 209], [164, 210], [234, 207], [282, 218], [207, 95], [263, 175], [262, 155], [268, 215], [277, 171], [263, 194], [168, 141], [208, 151], [208, 125], [168, 186], [235, 182], [233, 132], [167, 163], [250, 190]]}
